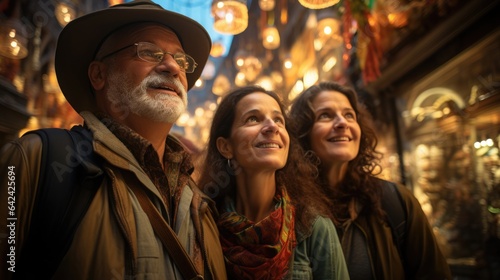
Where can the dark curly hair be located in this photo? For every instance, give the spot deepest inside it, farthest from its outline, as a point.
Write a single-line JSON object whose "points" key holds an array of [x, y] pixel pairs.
{"points": [[297, 176], [359, 180]]}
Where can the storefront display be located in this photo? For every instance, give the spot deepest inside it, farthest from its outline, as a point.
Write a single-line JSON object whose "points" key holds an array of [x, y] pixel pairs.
{"points": [[451, 126]]}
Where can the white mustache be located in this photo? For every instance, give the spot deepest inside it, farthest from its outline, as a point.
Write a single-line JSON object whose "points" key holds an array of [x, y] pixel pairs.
{"points": [[156, 80]]}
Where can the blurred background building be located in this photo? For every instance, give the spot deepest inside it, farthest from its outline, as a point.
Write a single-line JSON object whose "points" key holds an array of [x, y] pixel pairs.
{"points": [[428, 70]]}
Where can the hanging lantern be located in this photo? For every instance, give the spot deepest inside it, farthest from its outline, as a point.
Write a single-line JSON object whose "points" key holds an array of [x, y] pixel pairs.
{"points": [[230, 16], [252, 67], [13, 40], [218, 49], [240, 79], [287, 63], [239, 58], [267, 5], [318, 4], [65, 12], [221, 85], [328, 29], [271, 38]]}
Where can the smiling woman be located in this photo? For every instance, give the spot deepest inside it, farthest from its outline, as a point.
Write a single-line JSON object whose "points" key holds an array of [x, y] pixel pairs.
{"points": [[258, 135], [336, 129], [273, 221]]}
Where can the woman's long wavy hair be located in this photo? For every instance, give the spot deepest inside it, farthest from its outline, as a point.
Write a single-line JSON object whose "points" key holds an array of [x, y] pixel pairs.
{"points": [[217, 178], [359, 180]]}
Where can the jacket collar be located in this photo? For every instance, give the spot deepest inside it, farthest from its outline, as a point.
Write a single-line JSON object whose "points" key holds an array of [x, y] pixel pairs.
{"points": [[107, 145]]}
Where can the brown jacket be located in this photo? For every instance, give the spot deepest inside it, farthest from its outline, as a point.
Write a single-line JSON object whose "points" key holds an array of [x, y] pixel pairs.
{"points": [[115, 239], [423, 256]]}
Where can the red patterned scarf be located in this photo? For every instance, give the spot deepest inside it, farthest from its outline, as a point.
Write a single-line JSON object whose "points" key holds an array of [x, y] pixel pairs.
{"points": [[260, 250]]}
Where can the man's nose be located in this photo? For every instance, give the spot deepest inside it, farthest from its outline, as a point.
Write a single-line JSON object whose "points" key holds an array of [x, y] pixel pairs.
{"points": [[169, 64]]}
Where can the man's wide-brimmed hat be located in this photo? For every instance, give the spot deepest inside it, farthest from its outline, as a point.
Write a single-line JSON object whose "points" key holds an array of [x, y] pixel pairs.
{"points": [[80, 39]]}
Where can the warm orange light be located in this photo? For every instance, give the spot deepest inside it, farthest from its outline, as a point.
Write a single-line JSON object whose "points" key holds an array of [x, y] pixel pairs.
{"points": [[230, 16], [217, 49], [318, 4], [271, 38]]}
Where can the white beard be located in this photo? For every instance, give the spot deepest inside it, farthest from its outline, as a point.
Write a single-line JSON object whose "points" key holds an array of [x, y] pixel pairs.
{"points": [[159, 108]]}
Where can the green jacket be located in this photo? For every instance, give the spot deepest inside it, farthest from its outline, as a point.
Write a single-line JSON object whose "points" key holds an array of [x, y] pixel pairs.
{"points": [[318, 254], [424, 259], [115, 239]]}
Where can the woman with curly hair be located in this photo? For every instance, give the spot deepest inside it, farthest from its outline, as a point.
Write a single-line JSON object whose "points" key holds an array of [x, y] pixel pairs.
{"points": [[273, 221], [336, 131]]}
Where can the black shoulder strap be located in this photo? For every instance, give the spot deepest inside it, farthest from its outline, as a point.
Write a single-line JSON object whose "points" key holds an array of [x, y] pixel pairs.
{"points": [[394, 206], [70, 175]]}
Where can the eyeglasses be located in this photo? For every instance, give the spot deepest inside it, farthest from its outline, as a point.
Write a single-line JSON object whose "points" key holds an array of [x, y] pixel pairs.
{"points": [[152, 53]]}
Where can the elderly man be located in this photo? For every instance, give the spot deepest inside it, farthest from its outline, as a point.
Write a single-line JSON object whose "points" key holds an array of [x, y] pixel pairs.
{"points": [[126, 70]]}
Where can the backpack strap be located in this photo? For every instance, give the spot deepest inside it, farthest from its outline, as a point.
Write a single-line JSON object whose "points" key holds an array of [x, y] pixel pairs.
{"points": [[167, 236], [69, 178], [394, 206]]}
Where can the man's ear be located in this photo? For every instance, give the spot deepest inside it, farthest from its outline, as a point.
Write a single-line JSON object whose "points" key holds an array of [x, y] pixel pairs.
{"points": [[224, 147], [97, 74]]}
